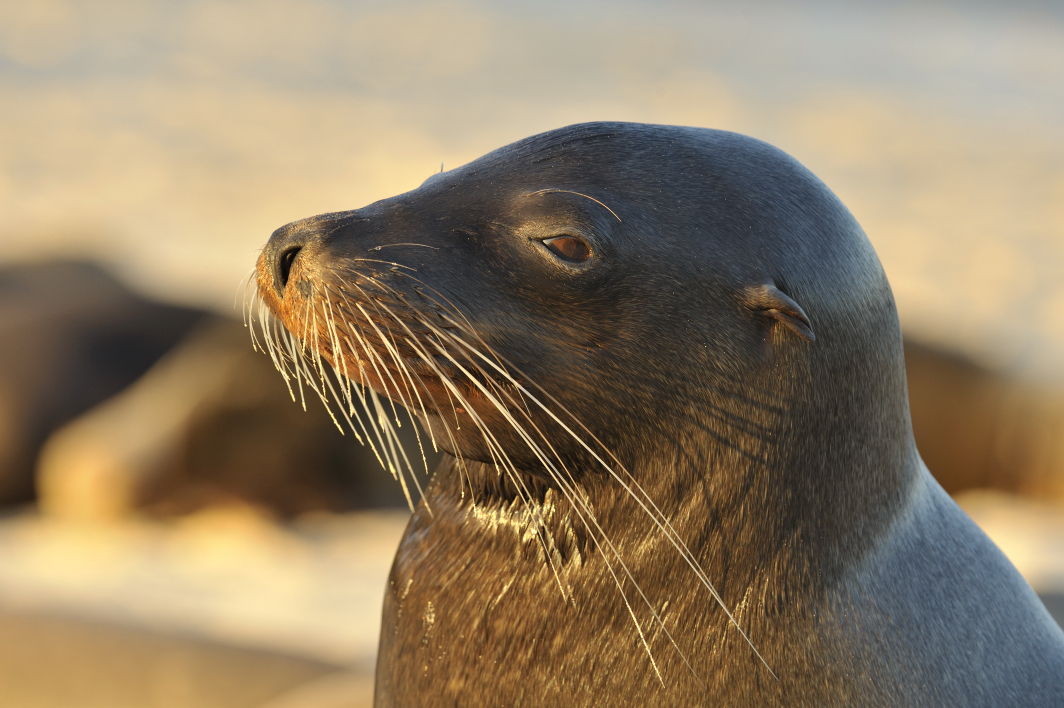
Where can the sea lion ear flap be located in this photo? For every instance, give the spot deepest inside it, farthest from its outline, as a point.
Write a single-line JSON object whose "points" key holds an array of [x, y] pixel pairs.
{"points": [[776, 304]]}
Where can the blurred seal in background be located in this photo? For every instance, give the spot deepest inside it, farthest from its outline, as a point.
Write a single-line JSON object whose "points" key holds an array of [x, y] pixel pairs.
{"points": [[71, 336], [210, 424]]}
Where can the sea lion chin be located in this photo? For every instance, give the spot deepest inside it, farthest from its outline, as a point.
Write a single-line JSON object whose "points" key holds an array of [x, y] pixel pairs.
{"points": [[667, 368]]}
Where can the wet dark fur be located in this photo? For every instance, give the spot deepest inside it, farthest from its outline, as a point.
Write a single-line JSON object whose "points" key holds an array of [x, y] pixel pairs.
{"points": [[785, 462]]}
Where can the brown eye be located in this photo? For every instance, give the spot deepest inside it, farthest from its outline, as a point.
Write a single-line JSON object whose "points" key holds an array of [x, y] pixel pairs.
{"points": [[568, 247]]}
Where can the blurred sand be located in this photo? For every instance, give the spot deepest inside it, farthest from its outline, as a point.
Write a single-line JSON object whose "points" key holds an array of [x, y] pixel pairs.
{"points": [[49, 662], [313, 589]]}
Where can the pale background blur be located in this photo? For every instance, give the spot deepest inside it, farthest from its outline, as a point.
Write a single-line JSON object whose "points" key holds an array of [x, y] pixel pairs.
{"points": [[171, 138], [167, 140]]}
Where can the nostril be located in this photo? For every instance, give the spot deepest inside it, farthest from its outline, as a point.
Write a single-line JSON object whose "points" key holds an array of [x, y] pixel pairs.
{"points": [[285, 264]]}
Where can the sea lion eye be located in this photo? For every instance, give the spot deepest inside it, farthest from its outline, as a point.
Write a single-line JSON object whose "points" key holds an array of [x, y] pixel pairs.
{"points": [[568, 248]]}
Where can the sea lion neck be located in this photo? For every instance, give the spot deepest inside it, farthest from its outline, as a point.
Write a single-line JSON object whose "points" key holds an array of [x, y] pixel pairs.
{"points": [[819, 465], [743, 479]]}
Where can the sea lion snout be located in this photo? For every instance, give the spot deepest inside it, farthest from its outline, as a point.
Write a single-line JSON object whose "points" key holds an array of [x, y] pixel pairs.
{"points": [[289, 247]]}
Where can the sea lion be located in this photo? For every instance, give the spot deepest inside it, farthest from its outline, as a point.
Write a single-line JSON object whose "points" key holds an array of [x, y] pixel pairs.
{"points": [[71, 336], [666, 366], [209, 424]]}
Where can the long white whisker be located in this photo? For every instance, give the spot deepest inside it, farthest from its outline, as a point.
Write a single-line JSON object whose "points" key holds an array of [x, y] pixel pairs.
{"points": [[296, 366], [404, 377], [339, 360], [383, 422]]}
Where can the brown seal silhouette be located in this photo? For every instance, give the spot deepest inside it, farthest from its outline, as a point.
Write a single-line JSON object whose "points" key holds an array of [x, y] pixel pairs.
{"points": [[71, 336], [666, 365]]}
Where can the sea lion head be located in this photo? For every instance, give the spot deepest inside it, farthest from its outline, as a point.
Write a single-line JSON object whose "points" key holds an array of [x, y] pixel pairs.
{"points": [[654, 289]]}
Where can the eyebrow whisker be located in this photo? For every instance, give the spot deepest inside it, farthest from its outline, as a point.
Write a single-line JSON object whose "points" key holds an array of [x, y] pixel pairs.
{"points": [[579, 194]]}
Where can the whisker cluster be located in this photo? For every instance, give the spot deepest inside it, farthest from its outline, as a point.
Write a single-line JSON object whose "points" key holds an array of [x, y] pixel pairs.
{"points": [[354, 334]]}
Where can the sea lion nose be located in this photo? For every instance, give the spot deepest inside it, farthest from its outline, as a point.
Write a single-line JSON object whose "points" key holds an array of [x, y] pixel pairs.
{"points": [[281, 252]]}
